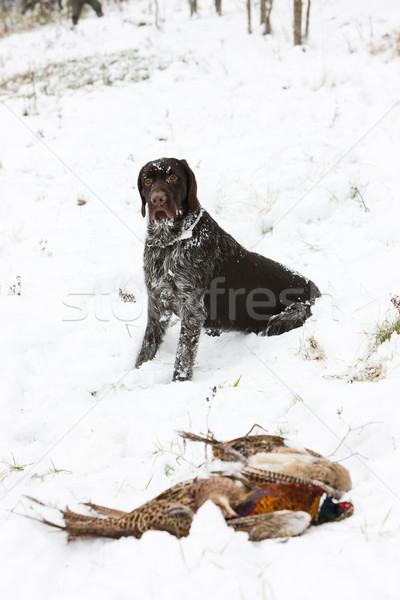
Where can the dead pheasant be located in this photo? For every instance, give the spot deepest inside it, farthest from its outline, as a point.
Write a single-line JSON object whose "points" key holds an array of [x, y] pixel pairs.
{"points": [[275, 459], [263, 510]]}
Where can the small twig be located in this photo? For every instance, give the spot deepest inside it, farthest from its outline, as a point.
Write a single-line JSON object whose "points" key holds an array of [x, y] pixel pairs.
{"points": [[351, 456], [356, 192], [255, 425], [350, 429], [32, 499]]}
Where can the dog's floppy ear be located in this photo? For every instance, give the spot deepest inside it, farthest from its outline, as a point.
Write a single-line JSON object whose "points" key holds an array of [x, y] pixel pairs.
{"points": [[140, 188], [193, 202]]}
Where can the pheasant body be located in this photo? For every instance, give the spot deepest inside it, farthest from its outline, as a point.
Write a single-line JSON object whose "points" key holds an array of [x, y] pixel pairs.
{"points": [[277, 457], [279, 491], [264, 511]]}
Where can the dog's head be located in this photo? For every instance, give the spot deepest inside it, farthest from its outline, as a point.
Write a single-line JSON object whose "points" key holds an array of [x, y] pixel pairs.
{"points": [[168, 187]]}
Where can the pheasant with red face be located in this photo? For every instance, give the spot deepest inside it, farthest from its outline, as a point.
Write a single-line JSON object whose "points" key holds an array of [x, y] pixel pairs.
{"points": [[264, 510]]}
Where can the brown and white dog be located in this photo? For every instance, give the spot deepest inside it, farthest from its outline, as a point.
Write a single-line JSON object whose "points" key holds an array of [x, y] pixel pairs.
{"points": [[197, 271]]}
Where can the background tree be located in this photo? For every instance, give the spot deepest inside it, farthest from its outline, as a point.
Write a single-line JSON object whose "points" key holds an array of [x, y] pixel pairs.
{"points": [[297, 6], [193, 7], [307, 18], [266, 7], [249, 28]]}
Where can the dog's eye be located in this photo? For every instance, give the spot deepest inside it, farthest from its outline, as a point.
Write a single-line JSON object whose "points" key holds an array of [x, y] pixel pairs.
{"points": [[147, 181], [172, 179]]}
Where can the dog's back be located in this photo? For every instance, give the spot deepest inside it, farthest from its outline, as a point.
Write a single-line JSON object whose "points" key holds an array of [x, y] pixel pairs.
{"points": [[246, 289]]}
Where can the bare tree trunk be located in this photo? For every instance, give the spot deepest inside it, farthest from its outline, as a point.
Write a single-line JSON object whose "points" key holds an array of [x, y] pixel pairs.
{"points": [[297, 5], [218, 6], [263, 9], [307, 18], [268, 7], [249, 29], [193, 7], [156, 13]]}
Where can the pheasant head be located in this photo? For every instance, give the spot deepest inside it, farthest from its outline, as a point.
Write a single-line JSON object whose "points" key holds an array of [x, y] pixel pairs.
{"points": [[330, 510]]}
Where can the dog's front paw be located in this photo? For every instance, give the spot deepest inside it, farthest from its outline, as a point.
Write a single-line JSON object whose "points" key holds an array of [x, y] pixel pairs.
{"points": [[181, 375], [140, 360]]}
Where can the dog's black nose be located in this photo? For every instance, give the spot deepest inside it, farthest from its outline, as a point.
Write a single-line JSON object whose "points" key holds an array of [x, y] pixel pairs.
{"points": [[158, 199]]}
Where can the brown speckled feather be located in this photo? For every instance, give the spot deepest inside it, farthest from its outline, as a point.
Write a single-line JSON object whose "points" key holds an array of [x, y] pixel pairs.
{"points": [[251, 476], [155, 514], [239, 448], [275, 454], [284, 523]]}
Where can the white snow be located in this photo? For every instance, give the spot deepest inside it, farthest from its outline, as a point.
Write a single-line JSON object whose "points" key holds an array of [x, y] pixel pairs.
{"points": [[296, 154], [187, 233]]}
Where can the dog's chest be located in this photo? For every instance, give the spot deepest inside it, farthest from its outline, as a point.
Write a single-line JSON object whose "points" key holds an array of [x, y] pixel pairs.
{"points": [[167, 271]]}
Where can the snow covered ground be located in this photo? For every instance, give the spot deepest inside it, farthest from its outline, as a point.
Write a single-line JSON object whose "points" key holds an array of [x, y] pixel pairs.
{"points": [[296, 153]]}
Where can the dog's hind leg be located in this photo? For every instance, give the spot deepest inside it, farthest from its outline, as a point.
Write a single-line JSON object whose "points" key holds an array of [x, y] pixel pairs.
{"points": [[292, 317], [212, 332]]}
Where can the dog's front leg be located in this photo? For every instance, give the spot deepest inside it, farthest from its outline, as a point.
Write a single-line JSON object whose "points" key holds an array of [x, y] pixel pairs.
{"points": [[157, 323], [192, 322], [187, 350]]}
